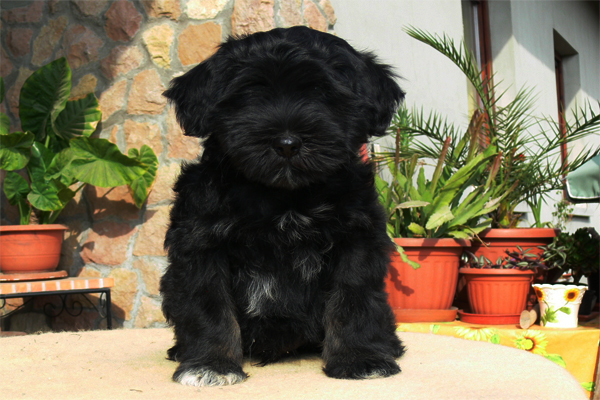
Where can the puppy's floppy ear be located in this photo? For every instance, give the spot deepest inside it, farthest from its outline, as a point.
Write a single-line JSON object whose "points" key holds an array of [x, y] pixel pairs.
{"points": [[380, 92], [194, 95]]}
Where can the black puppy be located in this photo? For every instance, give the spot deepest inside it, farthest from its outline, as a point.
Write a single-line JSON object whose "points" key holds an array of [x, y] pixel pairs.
{"points": [[277, 241]]}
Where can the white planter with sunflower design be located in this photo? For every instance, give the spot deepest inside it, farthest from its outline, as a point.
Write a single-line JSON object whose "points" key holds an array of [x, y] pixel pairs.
{"points": [[559, 304]]}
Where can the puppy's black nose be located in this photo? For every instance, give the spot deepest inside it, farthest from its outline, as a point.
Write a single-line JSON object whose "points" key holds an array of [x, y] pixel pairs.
{"points": [[287, 146]]}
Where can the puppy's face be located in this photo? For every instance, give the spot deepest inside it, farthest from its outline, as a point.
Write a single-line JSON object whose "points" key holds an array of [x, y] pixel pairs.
{"points": [[286, 107]]}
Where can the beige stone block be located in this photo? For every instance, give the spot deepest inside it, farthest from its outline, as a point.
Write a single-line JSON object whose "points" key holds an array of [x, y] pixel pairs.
{"points": [[198, 42], [205, 9], [149, 313], [150, 241], [163, 186], [291, 13], [81, 46], [314, 18], [122, 21], [18, 41], [327, 8], [251, 16], [86, 85], [88, 272], [138, 134], [112, 202], [31, 13], [158, 40], [162, 8], [151, 274], [121, 60], [113, 99], [124, 292], [146, 94], [46, 41], [180, 146], [107, 243]]}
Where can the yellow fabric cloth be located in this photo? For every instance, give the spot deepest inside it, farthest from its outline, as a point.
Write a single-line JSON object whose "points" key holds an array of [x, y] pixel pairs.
{"points": [[574, 349]]}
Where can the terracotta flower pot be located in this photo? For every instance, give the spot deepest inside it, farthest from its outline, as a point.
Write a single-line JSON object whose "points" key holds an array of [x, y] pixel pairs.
{"points": [[30, 248], [559, 304], [497, 291], [497, 241], [430, 287]]}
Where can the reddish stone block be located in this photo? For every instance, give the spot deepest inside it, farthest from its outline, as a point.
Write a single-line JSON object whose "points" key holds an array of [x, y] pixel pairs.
{"points": [[6, 66], [18, 40], [314, 18], [163, 186], [31, 13], [122, 21], [198, 42], [112, 203], [107, 243], [81, 46], [150, 240], [138, 134], [180, 146], [113, 99], [124, 292], [122, 60], [251, 16], [146, 92]]}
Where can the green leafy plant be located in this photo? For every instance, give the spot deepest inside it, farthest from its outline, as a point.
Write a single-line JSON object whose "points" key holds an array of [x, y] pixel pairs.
{"points": [[451, 204], [552, 256], [57, 152], [530, 145], [582, 250]]}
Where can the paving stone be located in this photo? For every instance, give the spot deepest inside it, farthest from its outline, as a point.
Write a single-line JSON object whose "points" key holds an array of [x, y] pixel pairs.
{"points": [[81, 46], [152, 233], [113, 99], [314, 18], [162, 8], [31, 13], [138, 134], [18, 41]]}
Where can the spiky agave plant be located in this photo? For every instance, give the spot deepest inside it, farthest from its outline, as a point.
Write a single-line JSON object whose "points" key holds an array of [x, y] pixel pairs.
{"points": [[530, 145]]}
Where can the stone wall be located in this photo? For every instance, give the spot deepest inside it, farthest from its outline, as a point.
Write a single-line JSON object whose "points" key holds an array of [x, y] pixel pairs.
{"points": [[126, 52]]}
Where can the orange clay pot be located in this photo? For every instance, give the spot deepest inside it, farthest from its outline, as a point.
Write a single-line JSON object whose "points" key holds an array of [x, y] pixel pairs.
{"points": [[498, 240], [497, 291], [30, 248], [431, 287]]}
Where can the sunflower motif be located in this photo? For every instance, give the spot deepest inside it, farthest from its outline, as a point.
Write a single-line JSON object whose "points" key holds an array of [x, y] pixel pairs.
{"points": [[571, 295], [539, 293], [532, 341], [478, 334]]}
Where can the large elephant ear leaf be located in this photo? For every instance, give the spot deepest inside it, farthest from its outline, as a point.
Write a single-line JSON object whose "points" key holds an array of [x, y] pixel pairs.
{"points": [[43, 96], [99, 162], [79, 118], [16, 190], [15, 150], [140, 188]]}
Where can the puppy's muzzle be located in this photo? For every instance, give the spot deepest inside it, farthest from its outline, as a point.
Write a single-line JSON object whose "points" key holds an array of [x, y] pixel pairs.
{"points": [[287, 146]]}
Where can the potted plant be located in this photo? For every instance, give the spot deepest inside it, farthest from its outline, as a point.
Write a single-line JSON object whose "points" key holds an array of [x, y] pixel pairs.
{"points": [[52, 159], [582, 249], [530, 146], [431, 222], [498, 290]]}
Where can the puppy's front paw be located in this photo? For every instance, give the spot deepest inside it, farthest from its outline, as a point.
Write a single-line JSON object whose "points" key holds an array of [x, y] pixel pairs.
{"points": [[361, 368], [205, 375]]}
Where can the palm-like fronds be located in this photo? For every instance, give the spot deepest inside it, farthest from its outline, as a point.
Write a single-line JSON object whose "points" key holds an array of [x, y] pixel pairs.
{"points": [[530, 145]]}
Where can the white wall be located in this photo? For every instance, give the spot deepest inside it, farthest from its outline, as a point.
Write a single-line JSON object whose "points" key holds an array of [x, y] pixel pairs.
{"points": [[522, 47]]}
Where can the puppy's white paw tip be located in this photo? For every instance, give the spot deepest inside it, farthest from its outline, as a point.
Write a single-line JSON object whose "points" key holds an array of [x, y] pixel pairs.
{"points": [[208, 377]]}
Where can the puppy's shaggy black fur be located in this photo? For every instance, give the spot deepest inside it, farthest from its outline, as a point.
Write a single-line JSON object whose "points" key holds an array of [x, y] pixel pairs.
{"points": [[277, 241]]}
